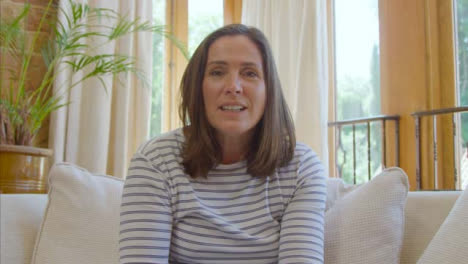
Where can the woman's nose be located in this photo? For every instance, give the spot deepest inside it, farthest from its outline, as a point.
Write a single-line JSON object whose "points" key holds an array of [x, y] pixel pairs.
{"points": [[233, 84]]}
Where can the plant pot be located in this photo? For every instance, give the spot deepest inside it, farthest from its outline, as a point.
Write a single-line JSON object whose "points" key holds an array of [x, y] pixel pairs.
{"points": [[24, 169]]}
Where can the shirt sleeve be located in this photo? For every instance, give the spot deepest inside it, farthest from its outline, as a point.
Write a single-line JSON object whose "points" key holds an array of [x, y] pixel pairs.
{"points": [[145, 215], [302, 226]]}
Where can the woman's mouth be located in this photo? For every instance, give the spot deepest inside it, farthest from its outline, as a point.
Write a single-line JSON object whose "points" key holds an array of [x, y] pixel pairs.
{"points": [[233, 108]]}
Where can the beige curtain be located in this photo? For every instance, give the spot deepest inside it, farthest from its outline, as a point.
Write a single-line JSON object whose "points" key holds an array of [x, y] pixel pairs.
{"points": [[101, 129], [297, 31]]}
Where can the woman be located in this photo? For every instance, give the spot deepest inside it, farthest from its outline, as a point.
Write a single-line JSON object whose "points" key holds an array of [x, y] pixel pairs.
{"points": [[232, 186]]}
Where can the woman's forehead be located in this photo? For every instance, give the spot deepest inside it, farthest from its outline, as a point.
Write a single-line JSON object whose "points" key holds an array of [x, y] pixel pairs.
{"points": [[234, 49]]}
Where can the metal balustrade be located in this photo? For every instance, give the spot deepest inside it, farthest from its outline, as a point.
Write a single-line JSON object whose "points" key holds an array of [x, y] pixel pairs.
{"points": [[383, 119], [434, 114]]}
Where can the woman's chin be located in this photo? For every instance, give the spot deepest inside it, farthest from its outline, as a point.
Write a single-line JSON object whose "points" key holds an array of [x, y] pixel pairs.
{"points": [[233, 130]]}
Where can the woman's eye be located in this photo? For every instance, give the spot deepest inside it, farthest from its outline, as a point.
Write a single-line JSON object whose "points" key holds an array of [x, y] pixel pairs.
{"points": [[216, 73], [251, 74]]}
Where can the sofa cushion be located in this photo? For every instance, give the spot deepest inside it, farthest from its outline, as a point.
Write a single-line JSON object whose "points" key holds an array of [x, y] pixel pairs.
{"points": [[20, 218], [424, 213], [365, 223], [450, 243], [81, 221], [336, 190]]}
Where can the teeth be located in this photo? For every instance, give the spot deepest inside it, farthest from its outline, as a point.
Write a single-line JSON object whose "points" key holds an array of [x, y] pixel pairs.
{"points": [[232, 107]]}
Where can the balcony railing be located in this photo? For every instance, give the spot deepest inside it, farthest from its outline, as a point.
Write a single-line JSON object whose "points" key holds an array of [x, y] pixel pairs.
{"points": [[433, 114], [383, 119]]}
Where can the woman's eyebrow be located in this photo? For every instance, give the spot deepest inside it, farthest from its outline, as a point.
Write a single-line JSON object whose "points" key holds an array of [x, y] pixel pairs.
{"points": [[252, 64], [220, 62]]}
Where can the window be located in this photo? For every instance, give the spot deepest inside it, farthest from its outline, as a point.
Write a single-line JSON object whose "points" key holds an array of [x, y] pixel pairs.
{"points": [[357, 73], [159, 11], [204, 16], [357, 58], [461, 35], [417, 78]]}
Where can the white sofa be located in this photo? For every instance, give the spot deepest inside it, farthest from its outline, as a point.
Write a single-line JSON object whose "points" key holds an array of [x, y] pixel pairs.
{"points": [[21, 216], [425, 212]]}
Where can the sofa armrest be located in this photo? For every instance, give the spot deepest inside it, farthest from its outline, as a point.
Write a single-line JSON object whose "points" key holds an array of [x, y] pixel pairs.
{"points": [[424, 213], [20, 219]]}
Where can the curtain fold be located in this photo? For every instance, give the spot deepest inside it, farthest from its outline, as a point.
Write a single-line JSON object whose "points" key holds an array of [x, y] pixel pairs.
{"points": [[101, 128], [297, 32]]}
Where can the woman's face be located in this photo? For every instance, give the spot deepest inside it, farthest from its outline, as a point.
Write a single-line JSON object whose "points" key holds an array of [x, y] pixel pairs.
{"points": [[234, 86]]}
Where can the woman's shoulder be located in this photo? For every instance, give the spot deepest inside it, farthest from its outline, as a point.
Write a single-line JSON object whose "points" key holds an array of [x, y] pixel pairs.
{"points": [[169, 141], [306, 157], [303, 155], [305, 166], [302, 150]]}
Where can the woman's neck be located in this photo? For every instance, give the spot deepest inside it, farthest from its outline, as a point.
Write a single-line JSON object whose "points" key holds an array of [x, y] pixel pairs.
{"points": [[234, 148]]}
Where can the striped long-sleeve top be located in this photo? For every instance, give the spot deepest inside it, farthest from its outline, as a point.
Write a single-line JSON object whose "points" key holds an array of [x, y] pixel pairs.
{"points": [[229, 217]]}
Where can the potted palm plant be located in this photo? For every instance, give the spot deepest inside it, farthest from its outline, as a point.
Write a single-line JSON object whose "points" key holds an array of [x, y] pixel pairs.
{"points": [[23, 168]]}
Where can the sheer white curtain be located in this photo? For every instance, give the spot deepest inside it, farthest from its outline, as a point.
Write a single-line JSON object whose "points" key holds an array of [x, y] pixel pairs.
{"points": [[101, 129], [297, 32]]}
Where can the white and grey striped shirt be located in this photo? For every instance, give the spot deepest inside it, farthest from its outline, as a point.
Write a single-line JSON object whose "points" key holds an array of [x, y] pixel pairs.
{"points": [[229, 217]]}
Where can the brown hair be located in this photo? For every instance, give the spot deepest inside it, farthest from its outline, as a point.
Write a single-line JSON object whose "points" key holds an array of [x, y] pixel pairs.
{"points": [[273, 141]]}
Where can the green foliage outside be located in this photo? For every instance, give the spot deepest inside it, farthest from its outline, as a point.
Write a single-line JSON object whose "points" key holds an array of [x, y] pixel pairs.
{"points": [[358, 94], [359, 98], [200, 27], [158, 70], [462, 63]]}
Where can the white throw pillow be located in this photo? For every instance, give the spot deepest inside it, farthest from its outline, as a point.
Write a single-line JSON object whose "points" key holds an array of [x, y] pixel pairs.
{"points": [[81, 221], [450, 243], [365, 223]]}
